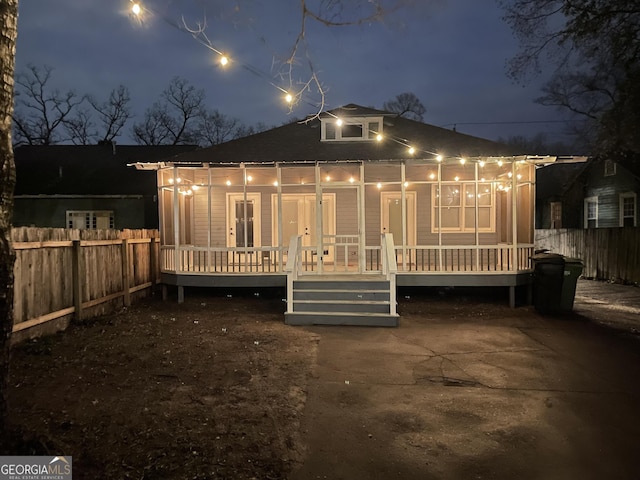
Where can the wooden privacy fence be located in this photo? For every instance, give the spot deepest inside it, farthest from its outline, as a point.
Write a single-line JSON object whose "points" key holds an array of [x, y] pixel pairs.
{"points": [[61, 274], [607, 253]]}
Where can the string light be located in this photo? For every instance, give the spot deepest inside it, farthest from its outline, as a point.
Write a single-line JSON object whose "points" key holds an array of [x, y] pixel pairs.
{"points": [[199, 34], [379, 185]]}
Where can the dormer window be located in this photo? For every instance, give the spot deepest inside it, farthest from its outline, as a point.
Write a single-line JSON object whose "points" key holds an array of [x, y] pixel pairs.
{"points": [[351, 129]]}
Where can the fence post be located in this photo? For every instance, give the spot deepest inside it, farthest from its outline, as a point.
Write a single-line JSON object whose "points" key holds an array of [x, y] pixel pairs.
{"points": [[77, 284], [153, 261], [125, 272]]}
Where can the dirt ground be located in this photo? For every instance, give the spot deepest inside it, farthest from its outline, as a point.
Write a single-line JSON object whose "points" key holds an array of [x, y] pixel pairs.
{"points": [[213, 388]]}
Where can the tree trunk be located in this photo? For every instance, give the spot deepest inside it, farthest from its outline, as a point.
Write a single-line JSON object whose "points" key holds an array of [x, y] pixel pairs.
{"points": [[8, 32]]}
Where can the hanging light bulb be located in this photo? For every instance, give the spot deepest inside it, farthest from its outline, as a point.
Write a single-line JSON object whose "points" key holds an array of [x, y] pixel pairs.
{"points": [[463, 161], [412, 150], [379, 185], [288, 98], [224, 60], [136, 9], [438, 158], [379, 138], [339, 122]]}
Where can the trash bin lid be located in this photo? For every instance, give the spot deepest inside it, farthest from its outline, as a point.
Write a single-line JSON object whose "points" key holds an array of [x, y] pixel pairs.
{"points": [[553, 258], [572, 260]]}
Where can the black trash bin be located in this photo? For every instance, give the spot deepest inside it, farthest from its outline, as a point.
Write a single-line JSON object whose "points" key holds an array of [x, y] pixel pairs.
{"points": [[548, 279], [572, 271]]}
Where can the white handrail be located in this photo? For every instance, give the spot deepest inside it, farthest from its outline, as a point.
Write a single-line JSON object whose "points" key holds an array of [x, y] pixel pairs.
{"points": [[294, 264], [389, 267]]}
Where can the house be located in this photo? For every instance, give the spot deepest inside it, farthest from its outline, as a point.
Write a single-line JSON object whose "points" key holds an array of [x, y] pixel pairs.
{"points": [[87, 186], [597, 193], [344, 208]]}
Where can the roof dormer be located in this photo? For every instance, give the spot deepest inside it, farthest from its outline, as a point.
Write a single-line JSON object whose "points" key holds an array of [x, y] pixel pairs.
{"points": [[351, 129]]}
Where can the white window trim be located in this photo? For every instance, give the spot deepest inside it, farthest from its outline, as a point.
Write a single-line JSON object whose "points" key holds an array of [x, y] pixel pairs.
{"points": [[364, 122], [588, 200], [90, 217], [610, 168], [463, 228], [622, 196]]}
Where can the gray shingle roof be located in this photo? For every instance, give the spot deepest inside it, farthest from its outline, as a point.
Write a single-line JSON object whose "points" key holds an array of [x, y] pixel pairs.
{"points": [[300, 141], [88, 169]]}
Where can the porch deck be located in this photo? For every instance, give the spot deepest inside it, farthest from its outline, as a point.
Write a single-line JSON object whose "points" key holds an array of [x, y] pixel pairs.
{"points": [[463, 265]]}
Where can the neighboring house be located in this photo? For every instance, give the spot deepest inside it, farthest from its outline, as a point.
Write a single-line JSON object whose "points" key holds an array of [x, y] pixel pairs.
{"points": [[355, 195], [600, 193], [78, 186]]}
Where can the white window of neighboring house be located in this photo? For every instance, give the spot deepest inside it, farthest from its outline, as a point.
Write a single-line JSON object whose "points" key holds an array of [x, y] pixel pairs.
{"points": [[456, 207], [556, 214], [351, 129], [90, 219], [609, 168], [591, 212], [628, 214]]}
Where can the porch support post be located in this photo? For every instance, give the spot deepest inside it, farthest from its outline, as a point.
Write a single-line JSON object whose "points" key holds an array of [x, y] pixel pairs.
{"points": [[403, 210], [319, 226], [439, 203], [176, 222], [244, 213], [209, 218], [281, 241], [362, 254], [514, 215], [476, 202]]}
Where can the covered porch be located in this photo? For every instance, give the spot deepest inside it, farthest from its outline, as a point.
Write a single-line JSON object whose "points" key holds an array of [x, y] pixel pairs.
{"points": [[451, 221]]}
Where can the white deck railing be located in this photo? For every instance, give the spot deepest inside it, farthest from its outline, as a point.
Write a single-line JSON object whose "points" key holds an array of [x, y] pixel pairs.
{"points": [[413, 259]]}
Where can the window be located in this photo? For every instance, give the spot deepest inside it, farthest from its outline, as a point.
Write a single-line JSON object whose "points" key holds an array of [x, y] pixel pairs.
{"points": [[609, 168], [628, 204], [456, 207], [556, 214], [351, 128], [591, 212], [90, 219]]}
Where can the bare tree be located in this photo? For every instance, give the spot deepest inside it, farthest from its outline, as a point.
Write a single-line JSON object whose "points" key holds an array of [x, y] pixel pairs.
{"points": [[113, 113], [294, 71], [80, 127], [215, 127], [41, 112], [173, 119], [406, 105], [594, 49], [8, 33]]}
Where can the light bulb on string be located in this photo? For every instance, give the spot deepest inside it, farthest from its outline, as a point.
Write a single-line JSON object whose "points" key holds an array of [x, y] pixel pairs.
{"points": [[136, 9]]}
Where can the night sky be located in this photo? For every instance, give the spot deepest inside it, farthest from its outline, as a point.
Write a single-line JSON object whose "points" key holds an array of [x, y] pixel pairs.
{"points": [[450, 53]]}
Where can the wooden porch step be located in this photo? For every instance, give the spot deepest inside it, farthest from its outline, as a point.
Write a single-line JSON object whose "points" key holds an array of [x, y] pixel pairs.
{"points": [[341, 295], [341, 306], [342, 318], [363, 300]]}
